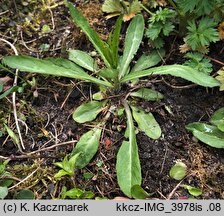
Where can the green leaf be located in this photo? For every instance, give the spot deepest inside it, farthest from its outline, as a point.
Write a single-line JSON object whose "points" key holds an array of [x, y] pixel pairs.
{"points": [[83, 59], [154, 30], [132, 42], [6, 182], [218, 119], [146, 123], [64, 164], [208, 134], [178, 171], [9, 91], [168, 28], [14, 137], [72, 162], [48, 67], [128, 164], [77, 193], [162, 15], [3, 166], [25, 194], [98, 96], [88, 111], [147, 94], [147, 61], [158, 43], [74, 193], [67, 64], [67, 166], [87, 146], [114, 41], [198, 62], [61, 173], [59, 164], [88, 175], [101, 47], [87, 195], [138, 192], [3, 192], [203, 34], [46, 29], [204, 7], [1, 85], [108, 73], [193, 190], [184, 72]]}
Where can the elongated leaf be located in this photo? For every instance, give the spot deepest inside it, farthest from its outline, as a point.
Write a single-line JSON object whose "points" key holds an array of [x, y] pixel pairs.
{"points": [[1, 86], [146, 122], [184, 72], [208, 134], [87, 146], [11, 133], [48, 67], [88, 111], [9, 91], [128, 164], [147, 94], [114, 41], [132, 42], [67, 64], [147, 61], [101, 47], [218, 119], [83, 59]]}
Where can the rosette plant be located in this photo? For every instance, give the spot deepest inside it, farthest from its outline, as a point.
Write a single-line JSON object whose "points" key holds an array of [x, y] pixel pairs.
{"points": [[113, 81]]}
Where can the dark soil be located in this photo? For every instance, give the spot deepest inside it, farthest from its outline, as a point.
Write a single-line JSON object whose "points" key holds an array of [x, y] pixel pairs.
{"points": [[48, 107]]}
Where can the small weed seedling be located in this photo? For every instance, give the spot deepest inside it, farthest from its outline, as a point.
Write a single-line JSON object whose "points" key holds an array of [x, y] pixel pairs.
{"points": [[111, 79]]}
